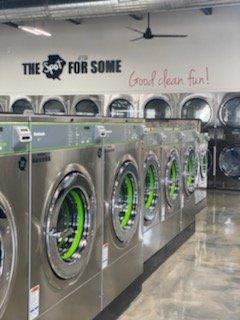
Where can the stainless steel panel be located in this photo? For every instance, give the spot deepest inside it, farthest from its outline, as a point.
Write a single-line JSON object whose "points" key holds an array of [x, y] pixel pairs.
{"points": [[121, 273], [14, 188], [83, 303]]}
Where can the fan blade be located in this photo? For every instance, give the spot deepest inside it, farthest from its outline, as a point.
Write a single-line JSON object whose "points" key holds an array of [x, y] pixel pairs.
{"points": [[135, 30], [169, 35], [136, 39]]}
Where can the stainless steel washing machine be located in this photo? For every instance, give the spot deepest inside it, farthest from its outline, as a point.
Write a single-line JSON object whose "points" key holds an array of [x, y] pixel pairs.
{"points": [[122, 249], [87, 106], [14, 217], [53, 105], [156, 106], [169, 140], [121, 106], [205, 108], [22, 104], [189, 164], [66, 242], [152, 193], [171, 184], [201, 190]]}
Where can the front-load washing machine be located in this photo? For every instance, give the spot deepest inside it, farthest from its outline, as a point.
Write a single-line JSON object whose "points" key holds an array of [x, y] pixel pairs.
{"points": [[23, 104], [171, 184], [14, 217], [205, 108], [87, 106], [121, 106], [53, 105], [169, 142], [152, 195], [66, 242], [189, 165], [122, 249], [156, 106], [201, 190]]}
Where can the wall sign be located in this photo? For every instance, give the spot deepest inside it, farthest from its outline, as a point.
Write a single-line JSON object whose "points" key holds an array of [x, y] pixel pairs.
{"points": [[55, 66]]}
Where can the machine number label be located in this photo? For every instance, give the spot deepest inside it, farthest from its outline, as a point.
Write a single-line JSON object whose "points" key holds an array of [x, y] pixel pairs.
{"points": [[163, 214], [182, 202], [105, 256], [34, 298]]}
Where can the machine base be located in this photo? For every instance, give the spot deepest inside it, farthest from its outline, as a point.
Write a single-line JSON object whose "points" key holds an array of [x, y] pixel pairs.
{"points": [[188, 215], [163, 254], [200, 205], [85, 303], [122, 302], [151, 241]]}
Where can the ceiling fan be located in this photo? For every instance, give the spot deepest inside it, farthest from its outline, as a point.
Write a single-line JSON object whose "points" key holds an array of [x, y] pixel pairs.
{"points": [[148, 35]]}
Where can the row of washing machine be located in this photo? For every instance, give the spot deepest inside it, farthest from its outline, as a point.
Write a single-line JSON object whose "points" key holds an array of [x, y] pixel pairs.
{"points": [[84, 202]]}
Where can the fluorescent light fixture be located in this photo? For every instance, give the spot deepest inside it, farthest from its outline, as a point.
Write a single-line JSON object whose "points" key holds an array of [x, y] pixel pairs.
{"points": [[35, 31]]}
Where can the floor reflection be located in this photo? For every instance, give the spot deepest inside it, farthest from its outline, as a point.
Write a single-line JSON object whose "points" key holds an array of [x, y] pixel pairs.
{"points": [[201, 281]]}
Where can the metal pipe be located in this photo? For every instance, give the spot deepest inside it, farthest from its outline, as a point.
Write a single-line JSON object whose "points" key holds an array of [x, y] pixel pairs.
{"points": [[71, 10]]}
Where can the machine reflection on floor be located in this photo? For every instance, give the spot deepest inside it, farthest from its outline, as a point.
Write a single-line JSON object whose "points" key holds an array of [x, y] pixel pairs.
{"points": [[201, 280]]}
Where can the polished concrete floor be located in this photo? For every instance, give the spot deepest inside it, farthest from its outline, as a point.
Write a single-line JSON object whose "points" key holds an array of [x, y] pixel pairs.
{"points": [[201, 281]]}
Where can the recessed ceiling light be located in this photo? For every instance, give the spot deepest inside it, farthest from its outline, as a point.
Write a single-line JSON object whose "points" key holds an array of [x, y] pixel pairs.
{"points": [[35, 31]]}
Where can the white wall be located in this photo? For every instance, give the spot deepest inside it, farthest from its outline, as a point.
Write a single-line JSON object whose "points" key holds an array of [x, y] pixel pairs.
{"points": [[213, 43]]}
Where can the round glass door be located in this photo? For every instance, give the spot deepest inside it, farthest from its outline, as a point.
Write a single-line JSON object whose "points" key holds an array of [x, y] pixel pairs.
{"points": [[121, 108], [190, 171], [86, 108], [197, 108], [125, 215], [172, 182], [230, 112], [21, 105], [157, 109], [7, 255], [70, 225], [54, 107], [229, 161], [151, 187]]}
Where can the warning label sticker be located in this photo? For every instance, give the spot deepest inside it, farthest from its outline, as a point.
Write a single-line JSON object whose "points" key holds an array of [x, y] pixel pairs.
{"points": [[105, 255], [34, 298]]}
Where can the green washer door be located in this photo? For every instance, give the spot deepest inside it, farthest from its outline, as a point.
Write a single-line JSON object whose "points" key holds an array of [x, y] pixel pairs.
{"points": [[190, 171], [150, 186], [174, 180], [127, 191], [71, 221]]}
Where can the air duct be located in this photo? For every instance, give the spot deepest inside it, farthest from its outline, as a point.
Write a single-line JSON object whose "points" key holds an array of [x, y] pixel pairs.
{"points": [[25, 10]]}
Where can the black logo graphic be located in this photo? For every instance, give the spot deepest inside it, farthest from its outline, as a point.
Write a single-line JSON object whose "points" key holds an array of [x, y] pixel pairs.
{"points": [[54, 66]]}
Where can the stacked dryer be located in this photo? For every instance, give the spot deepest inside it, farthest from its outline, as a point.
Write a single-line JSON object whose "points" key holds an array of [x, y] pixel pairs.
{"points": [[228, 143], [87, 106], [121, 106], [156, 106]]}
